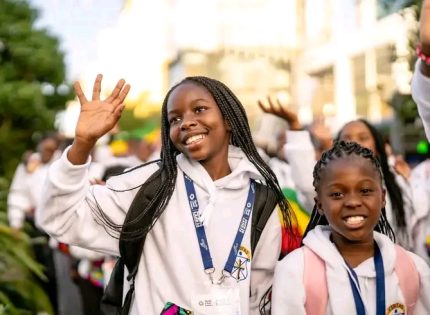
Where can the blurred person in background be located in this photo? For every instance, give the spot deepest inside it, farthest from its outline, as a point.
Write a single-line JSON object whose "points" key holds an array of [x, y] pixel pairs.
{"points": [[22, 201]]}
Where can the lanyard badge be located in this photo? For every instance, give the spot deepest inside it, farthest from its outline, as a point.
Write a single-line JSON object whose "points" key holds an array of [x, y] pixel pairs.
{"points": [[380, 286], [201, 233]]}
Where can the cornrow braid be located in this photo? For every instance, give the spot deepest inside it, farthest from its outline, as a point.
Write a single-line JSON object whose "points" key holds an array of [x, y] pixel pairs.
{"points": [[340, 150], [393, 189]]}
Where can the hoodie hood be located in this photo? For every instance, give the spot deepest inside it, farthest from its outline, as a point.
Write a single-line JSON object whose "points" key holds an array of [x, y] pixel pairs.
{"points": [[319, 241], [242, 170]]}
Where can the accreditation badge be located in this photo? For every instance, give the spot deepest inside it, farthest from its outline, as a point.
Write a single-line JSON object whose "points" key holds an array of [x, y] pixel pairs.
{"points": [[396, 309], [216, 300]]}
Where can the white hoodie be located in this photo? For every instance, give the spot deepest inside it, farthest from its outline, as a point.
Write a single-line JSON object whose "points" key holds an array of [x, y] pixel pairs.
{"points": [[289, 295], [171, 266]]}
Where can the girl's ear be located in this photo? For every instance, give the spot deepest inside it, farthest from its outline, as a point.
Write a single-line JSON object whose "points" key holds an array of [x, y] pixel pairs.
{"points": [[227, 125], [318, 206], [384, 195]]}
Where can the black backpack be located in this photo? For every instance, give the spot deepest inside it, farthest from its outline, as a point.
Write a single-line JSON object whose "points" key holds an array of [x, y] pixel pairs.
{"points": [[131, 251]]}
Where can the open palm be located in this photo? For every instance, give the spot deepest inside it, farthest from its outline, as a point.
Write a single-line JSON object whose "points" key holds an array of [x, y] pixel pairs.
{"points": [[97, 117]]}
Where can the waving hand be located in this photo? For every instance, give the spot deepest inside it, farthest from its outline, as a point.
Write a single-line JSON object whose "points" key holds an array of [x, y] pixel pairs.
{"points": [[97, 117]]}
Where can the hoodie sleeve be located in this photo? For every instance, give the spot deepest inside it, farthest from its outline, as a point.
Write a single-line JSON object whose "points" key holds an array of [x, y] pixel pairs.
{"points": [[264, 260], [421, 95], [72, 209], [288, 295], [300, 154]]}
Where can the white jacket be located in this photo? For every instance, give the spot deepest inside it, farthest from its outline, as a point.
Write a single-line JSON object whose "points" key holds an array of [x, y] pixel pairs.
{"points": [[171, 267], [289, 296]]}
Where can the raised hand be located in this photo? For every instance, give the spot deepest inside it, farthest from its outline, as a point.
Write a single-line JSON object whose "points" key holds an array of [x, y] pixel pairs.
{"points": [[282, 112], [97, 117]]}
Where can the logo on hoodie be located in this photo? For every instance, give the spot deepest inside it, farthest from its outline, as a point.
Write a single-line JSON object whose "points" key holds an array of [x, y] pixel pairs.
{"points": [[396, 309], [241, 265]]}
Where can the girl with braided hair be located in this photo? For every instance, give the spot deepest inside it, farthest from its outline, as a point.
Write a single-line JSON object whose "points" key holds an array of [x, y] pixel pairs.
{"points": [[406, 201], [210, 168], [350, 244]]}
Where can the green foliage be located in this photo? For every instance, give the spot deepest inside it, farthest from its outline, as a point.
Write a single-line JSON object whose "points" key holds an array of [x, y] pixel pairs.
{"points": [[32, 73], [19, 292], [32, 89]]}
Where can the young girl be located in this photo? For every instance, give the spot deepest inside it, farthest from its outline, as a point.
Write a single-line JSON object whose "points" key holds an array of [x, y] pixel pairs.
{"points": [[406, 203], [359, 262], [196, 257]]}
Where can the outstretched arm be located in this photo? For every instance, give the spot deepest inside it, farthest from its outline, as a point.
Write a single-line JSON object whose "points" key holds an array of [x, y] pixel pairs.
{"points": [[96, 118]]}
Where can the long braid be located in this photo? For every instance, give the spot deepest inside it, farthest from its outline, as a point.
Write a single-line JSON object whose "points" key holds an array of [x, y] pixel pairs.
{"points": [[234, 112], [342, 149]]}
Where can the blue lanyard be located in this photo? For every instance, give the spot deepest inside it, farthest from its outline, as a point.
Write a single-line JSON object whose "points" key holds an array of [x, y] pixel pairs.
{"points": [[380, 286], [201, 234]]}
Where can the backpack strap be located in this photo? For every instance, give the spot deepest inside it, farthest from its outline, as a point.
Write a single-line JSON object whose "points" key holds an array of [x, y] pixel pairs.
{"points": [[315, 283], [409, 279], [264, 205], [130, 250]]}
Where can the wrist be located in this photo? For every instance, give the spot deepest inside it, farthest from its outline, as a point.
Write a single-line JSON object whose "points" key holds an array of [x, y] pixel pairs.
{"points": [[295, 125], [80, 151], [423, 53]]}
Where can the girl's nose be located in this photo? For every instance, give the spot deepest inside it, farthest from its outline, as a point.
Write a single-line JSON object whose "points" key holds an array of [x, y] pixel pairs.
{"points": [[188, 122], [353, 201]]}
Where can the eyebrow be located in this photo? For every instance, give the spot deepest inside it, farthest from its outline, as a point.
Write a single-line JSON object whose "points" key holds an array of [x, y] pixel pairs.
{"points": [[173, 111]]}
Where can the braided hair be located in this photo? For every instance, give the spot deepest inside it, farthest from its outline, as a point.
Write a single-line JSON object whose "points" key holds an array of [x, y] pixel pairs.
{"points": [[342, 149], [233, 111], [393, 189]]}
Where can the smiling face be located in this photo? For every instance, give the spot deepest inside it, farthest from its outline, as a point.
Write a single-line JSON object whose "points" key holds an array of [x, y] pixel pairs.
{"points": [[350, 196], [197, 127], [357, 131]]}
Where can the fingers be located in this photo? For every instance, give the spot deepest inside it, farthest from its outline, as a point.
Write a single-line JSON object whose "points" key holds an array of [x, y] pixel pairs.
{"points": [[118, 110], [273, 108], [97, 87], [79, 93], [116, 91], [122, 95], [262, 106]]}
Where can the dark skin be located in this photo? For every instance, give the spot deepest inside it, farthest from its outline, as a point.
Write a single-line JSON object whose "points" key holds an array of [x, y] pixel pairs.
{"points": [[350, 196], [96, 118], [281, 111], [193, 112], [425, 34]]}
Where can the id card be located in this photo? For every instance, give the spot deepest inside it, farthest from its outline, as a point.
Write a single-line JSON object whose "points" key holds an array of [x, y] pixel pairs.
{"points": [[216, 300]]}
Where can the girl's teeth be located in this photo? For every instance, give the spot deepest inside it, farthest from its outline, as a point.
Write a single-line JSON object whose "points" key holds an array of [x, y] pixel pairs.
{"points": [[354, 220], [193, 139]]}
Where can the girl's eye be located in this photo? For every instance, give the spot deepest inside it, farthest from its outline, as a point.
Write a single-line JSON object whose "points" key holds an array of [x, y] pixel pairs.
{"points": [[366, 191], [336, 195], [174, 120], [200, 109]]}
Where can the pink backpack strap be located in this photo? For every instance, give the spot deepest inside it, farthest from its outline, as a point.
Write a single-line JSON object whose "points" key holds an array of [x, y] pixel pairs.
{"points": [[315, 283], [409, 279]]}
